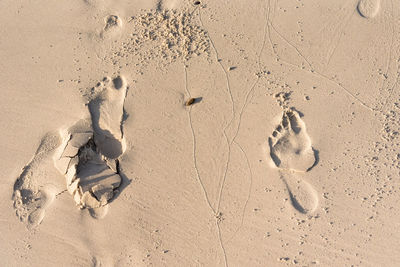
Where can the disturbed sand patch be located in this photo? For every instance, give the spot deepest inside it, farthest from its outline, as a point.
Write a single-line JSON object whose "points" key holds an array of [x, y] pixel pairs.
{"points": [[89, 155], [169, 35]]}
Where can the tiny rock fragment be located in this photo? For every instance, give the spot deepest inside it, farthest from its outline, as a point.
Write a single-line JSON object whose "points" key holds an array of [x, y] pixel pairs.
{"points": [[190, 101], [62, 164], [70, 151], [72, 188], [70, 176], [77, 197], [103, 193], [80, 139], [112, 164], [88, 200]]}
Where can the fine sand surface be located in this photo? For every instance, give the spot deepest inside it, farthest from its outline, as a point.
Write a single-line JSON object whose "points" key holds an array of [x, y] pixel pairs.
{"points": [[200, 133]]}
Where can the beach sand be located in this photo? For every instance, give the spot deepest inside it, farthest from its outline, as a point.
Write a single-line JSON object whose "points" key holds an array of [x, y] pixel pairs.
{"points": [[199, 133]]}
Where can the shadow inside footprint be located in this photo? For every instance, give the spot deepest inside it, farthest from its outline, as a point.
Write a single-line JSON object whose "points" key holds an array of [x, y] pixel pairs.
{"points": [[368, 8], [118, 82], [98, 176], [89, 157], [274, 157], [302, 195], [107, 113], [294, 202], [316, 155], [108, 145], [91, 177]]}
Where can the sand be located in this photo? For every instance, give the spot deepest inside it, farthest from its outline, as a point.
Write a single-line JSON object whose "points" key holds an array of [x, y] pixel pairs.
{"points": [[199, 133]]}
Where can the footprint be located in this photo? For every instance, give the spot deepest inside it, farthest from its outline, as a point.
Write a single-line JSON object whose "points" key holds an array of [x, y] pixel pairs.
{"points": [[32, 191], [290, 145], [107, 112], [369, 8], [88, 156], [303, 196], [113, 24], [291, 151]]}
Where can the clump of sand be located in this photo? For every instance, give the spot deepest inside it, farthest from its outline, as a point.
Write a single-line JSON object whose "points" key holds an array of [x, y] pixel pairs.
{"points": [[166, 34]]}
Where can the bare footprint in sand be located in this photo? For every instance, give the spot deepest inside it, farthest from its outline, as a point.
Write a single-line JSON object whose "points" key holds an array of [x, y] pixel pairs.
{"points": [[88, 156], [369, 8], [33, 191], [291, 151], [112, 26], [107, 111], [290, 145]]}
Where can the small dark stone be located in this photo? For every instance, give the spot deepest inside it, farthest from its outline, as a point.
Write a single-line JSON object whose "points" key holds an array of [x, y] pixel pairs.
{"points": [[190, 102]]}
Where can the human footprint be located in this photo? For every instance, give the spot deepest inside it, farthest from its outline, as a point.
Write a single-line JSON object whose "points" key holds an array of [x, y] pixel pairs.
{"points": [[88, 156], [290, 145]]}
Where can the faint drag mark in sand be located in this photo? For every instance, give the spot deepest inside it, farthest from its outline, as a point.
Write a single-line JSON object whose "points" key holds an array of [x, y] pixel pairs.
{"points": [[33, 191], [291, 151], [229, 123], [333, 48], [231, 140], [249, 96], [390, 88], [369, 8], [217, 212], [89, 154], [199, 180]]}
